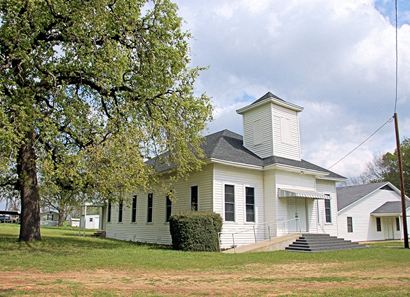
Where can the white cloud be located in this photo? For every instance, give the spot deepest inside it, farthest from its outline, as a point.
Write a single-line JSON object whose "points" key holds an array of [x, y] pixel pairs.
{"points": [[335, 58]]}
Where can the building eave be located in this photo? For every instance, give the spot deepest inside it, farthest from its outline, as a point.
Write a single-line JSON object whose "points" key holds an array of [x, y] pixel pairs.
{"points": [[336, 179], [296, 169], [291, 106], [236, 164]]}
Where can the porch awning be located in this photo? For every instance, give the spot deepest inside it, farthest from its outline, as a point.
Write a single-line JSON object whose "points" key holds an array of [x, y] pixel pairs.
{"points": [[292, 193], [389, 208]]}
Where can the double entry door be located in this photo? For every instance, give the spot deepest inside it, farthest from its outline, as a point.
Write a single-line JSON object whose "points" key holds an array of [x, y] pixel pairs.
{"points": [[298, 215]]}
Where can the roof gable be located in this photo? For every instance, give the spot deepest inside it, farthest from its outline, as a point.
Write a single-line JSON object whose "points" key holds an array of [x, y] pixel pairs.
{"points": [[350, 194]]}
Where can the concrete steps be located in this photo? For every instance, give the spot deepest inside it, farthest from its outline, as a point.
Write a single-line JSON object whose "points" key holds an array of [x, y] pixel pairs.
{"points": [[321, 242]]}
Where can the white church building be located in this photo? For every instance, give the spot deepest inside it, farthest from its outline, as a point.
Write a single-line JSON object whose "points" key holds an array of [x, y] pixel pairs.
{"points": [[258, 183]]}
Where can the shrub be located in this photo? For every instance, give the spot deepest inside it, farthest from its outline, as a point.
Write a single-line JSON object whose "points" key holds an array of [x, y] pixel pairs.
{"points": [[195, 231]]}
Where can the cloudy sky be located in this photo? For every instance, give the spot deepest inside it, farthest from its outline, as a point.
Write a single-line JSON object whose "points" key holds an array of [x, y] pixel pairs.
{"points": [[335, 58]]}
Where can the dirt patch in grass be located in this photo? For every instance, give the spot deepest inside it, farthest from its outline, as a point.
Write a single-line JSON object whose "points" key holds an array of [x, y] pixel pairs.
{"points": [[251, 280]]}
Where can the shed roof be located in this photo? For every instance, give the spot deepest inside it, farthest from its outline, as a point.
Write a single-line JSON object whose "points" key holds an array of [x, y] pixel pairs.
{"points": [[390, 207]]}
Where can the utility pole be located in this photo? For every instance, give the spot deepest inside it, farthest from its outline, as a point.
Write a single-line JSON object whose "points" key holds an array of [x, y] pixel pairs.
{"points": [[403, 196]]}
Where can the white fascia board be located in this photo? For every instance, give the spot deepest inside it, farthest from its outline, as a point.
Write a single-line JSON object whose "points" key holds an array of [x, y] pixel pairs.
{"points": [[337, 179], [236, 164], [296, 169], [270, 100]]}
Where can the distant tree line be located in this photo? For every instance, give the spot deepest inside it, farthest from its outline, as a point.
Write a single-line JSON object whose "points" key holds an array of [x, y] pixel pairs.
{"points": [[385, 168]]}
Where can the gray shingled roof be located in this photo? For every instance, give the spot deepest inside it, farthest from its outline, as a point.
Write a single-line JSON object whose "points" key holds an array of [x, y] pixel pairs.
{"points": [[228, 146], [392, 207], [350, 194], [266, 96]]}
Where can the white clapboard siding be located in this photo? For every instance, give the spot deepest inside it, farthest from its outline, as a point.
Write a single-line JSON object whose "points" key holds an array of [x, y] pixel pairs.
{"points": [[286, 133], [328, 187], [364, 225], [270, 202], [158, 230], [257, 131], [240, 178]]}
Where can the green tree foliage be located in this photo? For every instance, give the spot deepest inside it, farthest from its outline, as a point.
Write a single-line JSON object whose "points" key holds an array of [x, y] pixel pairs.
{"points": [[385, 168], [89, 90]]}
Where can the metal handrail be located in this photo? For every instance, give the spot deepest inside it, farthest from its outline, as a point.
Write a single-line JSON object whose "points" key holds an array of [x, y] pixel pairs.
{"points": [[246, 230], [285, 223]]}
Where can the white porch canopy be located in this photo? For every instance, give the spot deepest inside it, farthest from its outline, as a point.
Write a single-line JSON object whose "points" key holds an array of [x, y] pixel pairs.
{"points": [[292, 193]]}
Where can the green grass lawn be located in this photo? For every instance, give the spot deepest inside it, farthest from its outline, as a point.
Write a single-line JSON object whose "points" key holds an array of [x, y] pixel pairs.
{"points": [[381, 270]]}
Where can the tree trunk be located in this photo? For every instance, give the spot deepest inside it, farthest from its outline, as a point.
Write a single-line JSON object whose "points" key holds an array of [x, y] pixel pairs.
{"points": [[29, 192], [61, 216]]}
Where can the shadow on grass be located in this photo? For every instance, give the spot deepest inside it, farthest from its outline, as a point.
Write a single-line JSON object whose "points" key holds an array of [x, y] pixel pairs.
{"points": [[72, 243]]}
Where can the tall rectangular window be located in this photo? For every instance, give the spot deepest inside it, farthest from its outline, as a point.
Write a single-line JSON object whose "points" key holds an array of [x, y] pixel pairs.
{"points": [[149, 208], [120, 205], [194, 198], [134, 209], [397, 224], [109, 212], [250, 204], [378, 224], [349, 224], [328, 210], [168, 208], [229, 203]]}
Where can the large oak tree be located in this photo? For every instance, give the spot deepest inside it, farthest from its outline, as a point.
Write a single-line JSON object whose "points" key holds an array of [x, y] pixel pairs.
{"points": [[89, 90]]}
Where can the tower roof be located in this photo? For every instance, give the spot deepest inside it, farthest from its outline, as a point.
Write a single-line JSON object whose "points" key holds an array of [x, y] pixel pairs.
{"points": [[272, 98]]}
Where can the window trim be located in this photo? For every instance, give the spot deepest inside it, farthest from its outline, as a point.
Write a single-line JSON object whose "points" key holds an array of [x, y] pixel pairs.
{"points": [[224, 204], [150, 209], [378, 224], [109, 211], [398, 227], [246, 204], [120, 211], [134, 209], [349, 225], [328, 209], [197, 198], [168, 207]]}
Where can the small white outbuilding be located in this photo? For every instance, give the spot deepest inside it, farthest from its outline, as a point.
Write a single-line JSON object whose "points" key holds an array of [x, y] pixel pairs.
{"points": [[370, 212]]}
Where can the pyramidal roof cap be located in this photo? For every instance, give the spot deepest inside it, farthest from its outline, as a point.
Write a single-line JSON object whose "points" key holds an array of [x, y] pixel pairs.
{"points": [[267, 96], [270, 97]]}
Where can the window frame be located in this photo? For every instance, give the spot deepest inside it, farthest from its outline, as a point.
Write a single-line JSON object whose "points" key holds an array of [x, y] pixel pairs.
{"points": [[134, 209], [328, 210], [398, 224], [349, 224], [378, 224], [168, 208], [250, 204], [230, 203], [150, 208], [120, 211], [109, 210], [195, 204]]}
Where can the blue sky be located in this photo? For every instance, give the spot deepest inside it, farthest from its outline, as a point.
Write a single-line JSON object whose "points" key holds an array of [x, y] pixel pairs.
{"points": [[387, 9], [335, 58]]}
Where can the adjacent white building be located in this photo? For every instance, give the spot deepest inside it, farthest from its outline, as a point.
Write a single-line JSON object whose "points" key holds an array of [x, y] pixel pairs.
{"points": [[370, 212], [258, 183]]}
